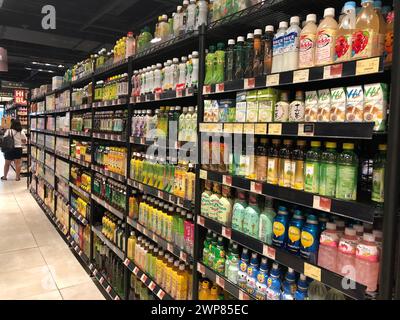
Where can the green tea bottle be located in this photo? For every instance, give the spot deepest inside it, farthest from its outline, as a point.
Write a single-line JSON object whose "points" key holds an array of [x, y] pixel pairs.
{"points": [[248, 56], [378, 175], [230, 60], [210, 57], [239, 58], [219, 64], [267, 217], [311, 168], [327, 181], [206, 248], [347, 172]]}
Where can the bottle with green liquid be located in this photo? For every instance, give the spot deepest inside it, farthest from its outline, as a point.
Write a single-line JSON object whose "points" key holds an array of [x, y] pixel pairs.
{"points": [[312, 168], [211, 252], [327, 180], [378, 175], [239, 58], [219, 64], [266, 222], [238, 211], [230, 60], [206, 248], [210, 57], [249, 55], [251, 218], [219, 260], [347, 172]]}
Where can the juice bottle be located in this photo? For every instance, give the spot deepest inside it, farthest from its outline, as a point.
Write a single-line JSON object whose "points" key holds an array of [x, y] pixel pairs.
{"points": [[285, 164], [130, 45], [210, 58], [258, 57], [181, 230], [219, 261], [188, 237], [365, 40], [281, 112], [347, 172], [291, 45], [312, 168], [326, 35], [174, 280], [238, 211], [389, 36], [307, 42], [211, 252], [378, 175], [328, 247], [248, 56], [273, 162], [382, 27], [298, 166], [230, 60], [251, 218], [158, 266], [294, 232], [182, 283], [278, 47], [169, 274], [267, 49], [345, 32], [242, 273], [327, 181], [252, 271], [131, 246], [239, 52], [346, 254], [267, 217], [206, 247], [280, 227], [310, 239], [205, 199], [225, 204], [261, 160], [204, 291], [189, 277], [219, 64], [214, 201]]}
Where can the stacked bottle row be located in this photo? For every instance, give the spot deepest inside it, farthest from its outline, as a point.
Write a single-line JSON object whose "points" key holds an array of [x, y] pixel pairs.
{"points": [[222, 8], [139, 290], [172, 275], [112, 159], [110, 191], [82, 206], [366, 103], [81, 178], [176, 179], [172, 75], [81, 122], [81, 150], [80, 234], [166, 122], [110, 121], [82, 96], [292, 47], [210, 291], [114, 230], [112, 88]]}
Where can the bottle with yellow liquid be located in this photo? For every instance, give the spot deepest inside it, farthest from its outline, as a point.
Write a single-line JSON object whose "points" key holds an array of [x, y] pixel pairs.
{"points": [[298, 156], [273, 162], [149, 259], [285, 164], [163, 274], [154, 262], [190, 183], [131, 246], [189, 276], [204, 291], [174, 279], [214, 293], [158, 266], [182, 283], [168, 274], [169, 224]]}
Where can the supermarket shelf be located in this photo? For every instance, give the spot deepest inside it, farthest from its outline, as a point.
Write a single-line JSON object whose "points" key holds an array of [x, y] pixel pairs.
{"points": [[223, 282], [50, 150], [62, 155], [79, 190], [110, 208], [102, 71], [325, 73], [76, 249], [46, 183], [38, 98], [164, 96], [78, 216], [351, 209], [83, 79], [141, 141], [109, 174], [180, 202], [283, 257], [80, 162], [147, 280], [62, 134], [82, 107], [110, 103], [61, 110], [60, 177], [356, 130], [109, 136], [80, 134], [101, 279], [65, 200], [65, 86], [171, 247], [108, 243]]}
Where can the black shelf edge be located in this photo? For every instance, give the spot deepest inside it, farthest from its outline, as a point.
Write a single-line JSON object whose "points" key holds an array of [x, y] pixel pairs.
{"points": [[78, 216], [164, 96], [62, 134], [169, 246], [62, 155], [110, 208], [110, 103], [350, 209], [104, 284], [147, 280], [115, 137], [62, 197], [169, 197], [79, 190], [109, 174], [81, 107], [80, 162], [80, 134], [60, 177], [78, 251], [108, 243]]}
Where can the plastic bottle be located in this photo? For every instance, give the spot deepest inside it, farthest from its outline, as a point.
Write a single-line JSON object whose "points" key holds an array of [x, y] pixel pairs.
{"points": [[326, 35], [191, 16], [204, 291], [273, 162], [347, 172], [238, 211], [177, 20], [219, 64], [202, 14], [308, 42], [242, 273], [312, 168], [291, 45], [210, 57], [297, 182], [278, 48], [274, 283], [294, 232], [258, 55], [130, 45], [205, 199], [345, 32], [213, 247], [251, 218], [182, 73], [285, 164], [280, 228], [346, 254], [230, 60], [327, 180], [194, 75], [378, 175], [302, 288], [328, 248], [219, 261], [267, 217], [239, 53], [289, 285], [389, 36], [310, 239], [252, 271], [261, 280], [267, 49]]}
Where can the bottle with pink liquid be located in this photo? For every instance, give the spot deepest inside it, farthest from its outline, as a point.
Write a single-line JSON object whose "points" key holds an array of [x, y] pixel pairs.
{"points": [[188, 233], [328, 247], [359, 231], [367, 262], [346, 254]]}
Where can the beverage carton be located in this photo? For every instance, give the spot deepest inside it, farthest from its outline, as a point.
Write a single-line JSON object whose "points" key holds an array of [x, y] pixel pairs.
{"points": [[338, 105], [311, 108], [355, 104], [375, 103], [266, 102], [241, 107], [252, 107], [324, 105], [207, 110]]}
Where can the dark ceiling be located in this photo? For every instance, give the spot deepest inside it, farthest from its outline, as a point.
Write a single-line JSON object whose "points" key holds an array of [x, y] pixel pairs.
{"points": [[82, 27]]}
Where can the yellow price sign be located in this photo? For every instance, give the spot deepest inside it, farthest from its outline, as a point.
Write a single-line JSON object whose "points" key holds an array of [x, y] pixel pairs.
{"points": [[312, 271], [248, 128], [301, 75], [203, 174], [273, 79], [260, 128], [275, 129], [238, 128], [228, 127], [367, 66]]}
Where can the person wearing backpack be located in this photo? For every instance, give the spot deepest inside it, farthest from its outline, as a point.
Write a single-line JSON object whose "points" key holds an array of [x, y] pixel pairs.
{"points": [[12, 148]]}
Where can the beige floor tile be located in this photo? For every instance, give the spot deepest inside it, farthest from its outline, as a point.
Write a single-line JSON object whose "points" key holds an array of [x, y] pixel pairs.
{"points": [[68, 273], [53, 295], [56, 253], [48, 237], [84, 291], [21, 259], [16, 241], [25, 283]]}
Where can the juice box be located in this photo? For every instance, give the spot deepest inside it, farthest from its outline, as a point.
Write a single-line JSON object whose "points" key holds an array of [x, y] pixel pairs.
{"points": [[224, 106], [375, 104], [241, 107], [266, 102], [338, 105], [208, 111], [311, 108], [324, 105], [355, 104], [252, 107]]}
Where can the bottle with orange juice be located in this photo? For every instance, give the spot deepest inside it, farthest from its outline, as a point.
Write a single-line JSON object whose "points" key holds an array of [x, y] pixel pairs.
{"points": [[214, 293], [204, 291], [182, 283]]}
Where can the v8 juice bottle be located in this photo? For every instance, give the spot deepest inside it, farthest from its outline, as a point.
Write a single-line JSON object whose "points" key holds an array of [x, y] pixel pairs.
{"points": [[345, 32], [310, 239], [327, 180], [328, 247], [346, 254], [307, 42], [280, 227], [326, 35], [378, 175], [312, 168], [347, 172], [278, 47]]}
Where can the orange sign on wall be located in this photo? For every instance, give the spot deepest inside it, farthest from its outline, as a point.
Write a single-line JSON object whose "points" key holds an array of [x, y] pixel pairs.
{"points": [[20, 97]]}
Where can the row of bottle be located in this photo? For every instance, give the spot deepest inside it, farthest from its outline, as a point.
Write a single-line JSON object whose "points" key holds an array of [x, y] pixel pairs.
{"points": [[81, 122], [295, 48], [210, 291], [149, 125], [112, 88], [169, 273], [139, 291], [79, 233], [110, 191], [176, 179], [172, 75], [113, 229], [222, 8], [111, 158], [110, 121], [81, 150], [81, 178], [81, 205]]}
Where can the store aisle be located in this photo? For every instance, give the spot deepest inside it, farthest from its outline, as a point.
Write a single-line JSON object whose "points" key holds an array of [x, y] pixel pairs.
{"points": [[35, 263]]}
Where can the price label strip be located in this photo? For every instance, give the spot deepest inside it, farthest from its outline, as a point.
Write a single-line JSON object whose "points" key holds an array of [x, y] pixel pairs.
{"points": [[273, 80], [301, 75], [220, 281], [367, 66], [312, 271], [269, 252], [321, 203]]}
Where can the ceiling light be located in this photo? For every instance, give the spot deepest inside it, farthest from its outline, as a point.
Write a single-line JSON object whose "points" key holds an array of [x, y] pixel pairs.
{"points": [[34, 62], [61, 66]]}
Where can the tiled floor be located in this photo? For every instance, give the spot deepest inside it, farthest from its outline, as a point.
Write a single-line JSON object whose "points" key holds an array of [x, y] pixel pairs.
{"points": [[35, 263]]}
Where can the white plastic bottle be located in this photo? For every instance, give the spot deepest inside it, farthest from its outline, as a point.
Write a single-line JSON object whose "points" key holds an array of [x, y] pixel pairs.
{"points": [[345, 31], [202, 13], [278, 46], [157, 77], [151, 77], [189, 70], [191, 15], [291, 45], [307, 42], [195, 69], [188, 120], [168, 75], [177, 20], [182, 72], [175, 73]]}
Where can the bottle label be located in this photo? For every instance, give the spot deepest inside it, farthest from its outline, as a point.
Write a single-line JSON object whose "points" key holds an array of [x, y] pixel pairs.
{"points": [[324, 44], [278, 229], [307, 45], [281, 111], [298, 175], [364, 42], [296, 111], [367, 252], [307, 239], [327, 182], [311, 183], [343, 47], [287, 173], [278, 46], [346, 182], [291, 42], [347, 246], [329, 239], [378, 185], [294, 235]]}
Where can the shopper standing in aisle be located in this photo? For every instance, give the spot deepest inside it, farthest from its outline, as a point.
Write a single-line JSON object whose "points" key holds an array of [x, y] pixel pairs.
{"points": [[14, 154]]}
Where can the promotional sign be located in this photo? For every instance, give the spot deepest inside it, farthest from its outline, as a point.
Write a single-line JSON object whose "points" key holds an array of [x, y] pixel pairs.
{"points": [[20, 97]]}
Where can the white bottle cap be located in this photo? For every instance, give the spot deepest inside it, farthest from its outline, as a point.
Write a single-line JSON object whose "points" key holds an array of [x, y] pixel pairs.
{"points": [[175, 60], [283, 24], [192, 1], [349, 232], [378, 234], [185, 2], [295, 20], [164, 17], [258, 32], [178, 8], [250, 36], [184, 59], [190, 57], [195, 53], [312, 17], [231, 41], [169, 61], [159, 65], [191, 109], [368, 237], [290, 270], [329, 12], [240, 39], [269, 28], [153, 66], [330, 226]]}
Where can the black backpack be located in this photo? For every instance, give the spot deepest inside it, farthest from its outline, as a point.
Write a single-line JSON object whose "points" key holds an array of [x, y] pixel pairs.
{"points": [[7, 144]]}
